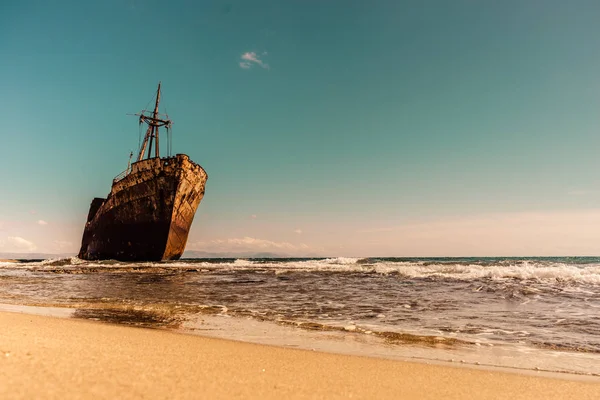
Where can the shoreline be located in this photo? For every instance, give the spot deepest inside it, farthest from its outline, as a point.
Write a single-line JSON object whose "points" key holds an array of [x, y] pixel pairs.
{"points": [[293, 336], [65, 358]]}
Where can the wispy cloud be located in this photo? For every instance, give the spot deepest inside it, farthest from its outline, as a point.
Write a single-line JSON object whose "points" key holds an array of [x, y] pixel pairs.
{"points": [[253, 216], [374, 230], [16, 243], [578, 192], [541, 233], [62, 244], [298, 231], [250, 59], [245, 244], [42, 222]]}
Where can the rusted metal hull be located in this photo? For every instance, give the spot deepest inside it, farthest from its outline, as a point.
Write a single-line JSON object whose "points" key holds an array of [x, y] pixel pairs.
{"points": [[148, 213]]}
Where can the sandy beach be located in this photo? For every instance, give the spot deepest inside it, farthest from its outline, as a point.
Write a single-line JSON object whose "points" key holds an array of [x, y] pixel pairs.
{"points": [[47, 357]]}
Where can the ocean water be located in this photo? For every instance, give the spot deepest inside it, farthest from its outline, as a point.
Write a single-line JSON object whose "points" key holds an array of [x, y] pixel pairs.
{"points": [[526, 313]]}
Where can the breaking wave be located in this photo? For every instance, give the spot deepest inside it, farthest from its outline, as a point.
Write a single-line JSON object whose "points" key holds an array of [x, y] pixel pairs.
{"points": [[578, 270], [521, 270]]}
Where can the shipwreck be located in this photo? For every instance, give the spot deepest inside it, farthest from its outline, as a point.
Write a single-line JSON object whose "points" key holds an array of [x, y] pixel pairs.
{"points": [[150, 208]]}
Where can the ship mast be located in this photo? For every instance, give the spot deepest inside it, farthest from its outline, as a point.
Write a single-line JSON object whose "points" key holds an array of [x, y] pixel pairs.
{"points": [[154, 122]]}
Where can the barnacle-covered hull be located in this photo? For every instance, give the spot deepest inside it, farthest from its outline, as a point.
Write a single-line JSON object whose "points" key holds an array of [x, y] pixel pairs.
{"points": [[148, 213]]}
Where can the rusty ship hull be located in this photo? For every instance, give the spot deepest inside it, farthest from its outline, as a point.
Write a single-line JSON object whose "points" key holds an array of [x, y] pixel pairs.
{"points": [[148, 213]]}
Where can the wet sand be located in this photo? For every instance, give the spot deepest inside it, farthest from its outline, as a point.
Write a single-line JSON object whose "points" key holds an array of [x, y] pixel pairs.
{"points": [[46, 357]]}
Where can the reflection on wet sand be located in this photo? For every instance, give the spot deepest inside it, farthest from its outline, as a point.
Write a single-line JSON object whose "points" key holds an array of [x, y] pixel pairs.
{"points": [[129, 316]]}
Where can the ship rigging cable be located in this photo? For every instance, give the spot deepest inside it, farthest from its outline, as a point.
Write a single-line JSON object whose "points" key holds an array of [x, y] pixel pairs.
{"points": [[154, 121], [169, 133], [139, 137]]}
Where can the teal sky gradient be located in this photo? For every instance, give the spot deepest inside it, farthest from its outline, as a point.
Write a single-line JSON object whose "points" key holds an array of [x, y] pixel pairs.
{"points": [[372, 117]]}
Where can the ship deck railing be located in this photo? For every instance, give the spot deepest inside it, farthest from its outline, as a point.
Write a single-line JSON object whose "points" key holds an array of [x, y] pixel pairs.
{"points": [[121, 175]]}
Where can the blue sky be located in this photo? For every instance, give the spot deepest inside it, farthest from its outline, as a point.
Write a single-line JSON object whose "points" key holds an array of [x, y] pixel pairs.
{"points": [[352, 128]]}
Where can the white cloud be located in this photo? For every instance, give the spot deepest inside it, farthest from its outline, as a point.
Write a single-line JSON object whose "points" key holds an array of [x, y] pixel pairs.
{"points": [[298, 231], [246, 244], [577, 192], [63, 244], [16, 244], [251, 58], [544, 233], [253, 216], [42, 222], [374, 230]]}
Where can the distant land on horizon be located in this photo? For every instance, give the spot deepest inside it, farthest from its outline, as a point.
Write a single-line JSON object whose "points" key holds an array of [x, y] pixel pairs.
{"points": [[244, 254], [187, 254], [195, 254], [34, 256]]}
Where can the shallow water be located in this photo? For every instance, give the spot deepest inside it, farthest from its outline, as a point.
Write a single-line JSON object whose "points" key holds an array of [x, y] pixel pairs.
{"points": [[516, 312]]}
